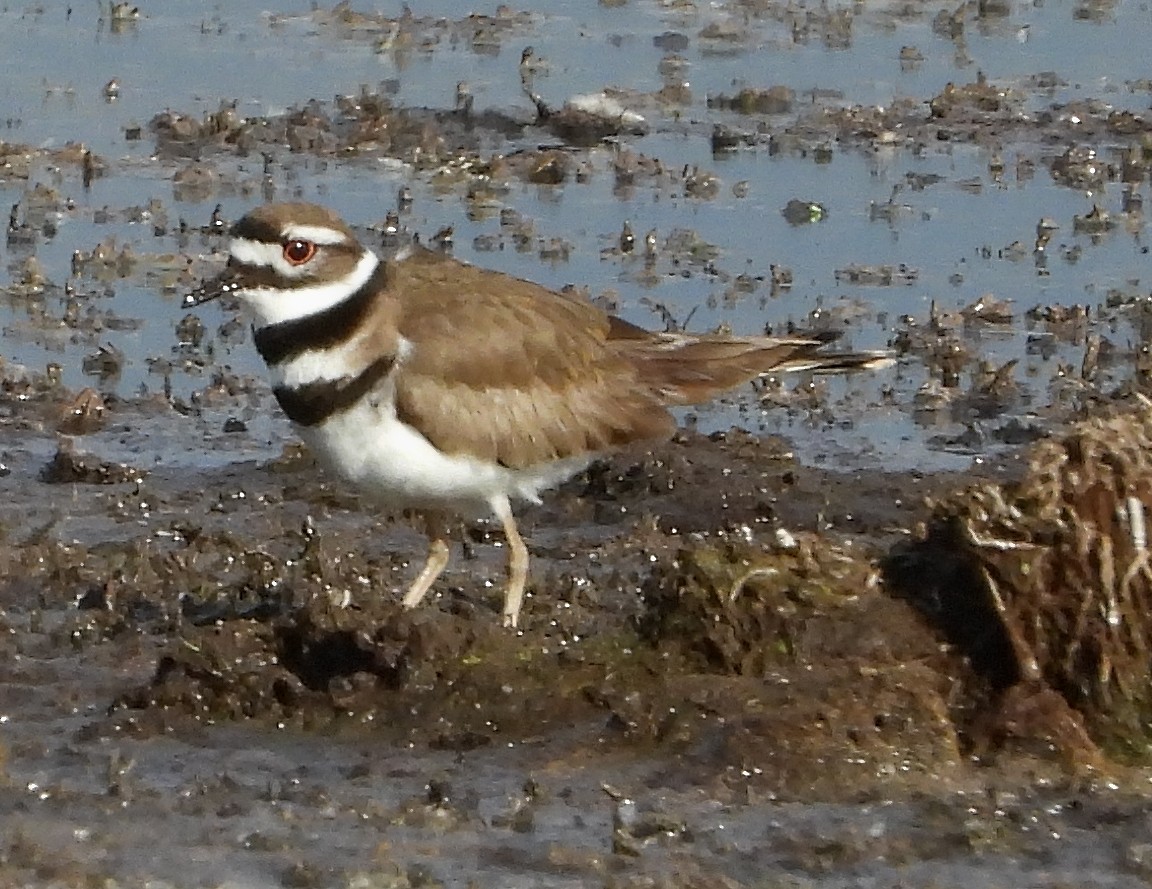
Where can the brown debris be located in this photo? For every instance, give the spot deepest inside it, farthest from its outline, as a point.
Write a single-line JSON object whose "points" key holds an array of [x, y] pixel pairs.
{"points": [[740, 609], [1048, 580], [773, 100], [70, 467], [979, 98], [83, 414]]}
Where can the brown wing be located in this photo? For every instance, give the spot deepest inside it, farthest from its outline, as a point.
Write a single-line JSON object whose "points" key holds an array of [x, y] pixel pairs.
{"points": [[506, 370]]}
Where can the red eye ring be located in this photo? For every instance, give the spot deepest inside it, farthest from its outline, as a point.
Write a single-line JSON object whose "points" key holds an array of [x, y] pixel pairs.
{"points": [[298, 251]]}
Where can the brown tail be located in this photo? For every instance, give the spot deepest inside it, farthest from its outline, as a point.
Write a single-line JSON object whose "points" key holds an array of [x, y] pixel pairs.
{"points": [[687, 369]]}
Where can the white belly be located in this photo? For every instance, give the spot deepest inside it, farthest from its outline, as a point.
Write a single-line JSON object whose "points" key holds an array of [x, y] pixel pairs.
{"points": [[394, 463]]}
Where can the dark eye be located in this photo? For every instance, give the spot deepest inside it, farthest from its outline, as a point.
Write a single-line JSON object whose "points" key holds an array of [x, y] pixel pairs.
{"points": [[299, 251]]}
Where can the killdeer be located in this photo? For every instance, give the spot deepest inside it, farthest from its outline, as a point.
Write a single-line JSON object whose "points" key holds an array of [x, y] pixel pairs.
{"points": [[435, 385]]}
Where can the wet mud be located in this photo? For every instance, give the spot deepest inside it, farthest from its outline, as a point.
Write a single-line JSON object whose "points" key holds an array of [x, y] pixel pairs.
{"points": [[710, 624]]}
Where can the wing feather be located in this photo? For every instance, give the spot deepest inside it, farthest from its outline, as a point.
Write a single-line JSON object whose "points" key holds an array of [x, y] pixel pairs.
{"points": [[506, 370]]}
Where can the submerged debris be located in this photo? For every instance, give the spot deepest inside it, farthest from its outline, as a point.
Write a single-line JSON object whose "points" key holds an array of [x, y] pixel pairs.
{"points": [[773, 100], [878, 275], [586, 119], [799, 212]]}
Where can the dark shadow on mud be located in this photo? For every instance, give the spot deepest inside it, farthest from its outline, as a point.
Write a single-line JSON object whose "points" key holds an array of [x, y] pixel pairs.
{"points": [[946, 587]]}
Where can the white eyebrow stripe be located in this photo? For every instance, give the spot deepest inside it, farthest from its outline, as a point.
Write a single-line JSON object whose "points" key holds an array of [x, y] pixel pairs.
{"points": [[250, 252], [317, 234]]}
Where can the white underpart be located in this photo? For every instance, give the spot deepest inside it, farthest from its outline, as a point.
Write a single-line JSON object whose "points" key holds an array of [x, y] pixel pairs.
{"points": [[390, 460], [273, 306]]}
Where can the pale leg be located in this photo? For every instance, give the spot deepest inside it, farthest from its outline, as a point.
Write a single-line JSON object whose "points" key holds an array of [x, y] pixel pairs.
{"points": [[517, 561], [434, 565]]}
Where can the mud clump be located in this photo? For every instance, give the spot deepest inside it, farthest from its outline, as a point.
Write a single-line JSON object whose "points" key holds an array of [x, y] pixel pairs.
{"points": [[308, 670], [784, 657], [1046, 584], [68, 466], [444, 681], [739, 609], [971, 99], [797, 651]]}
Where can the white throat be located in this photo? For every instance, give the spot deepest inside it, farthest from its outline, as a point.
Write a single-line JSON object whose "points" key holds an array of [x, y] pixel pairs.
{"points": [[274, 306]]}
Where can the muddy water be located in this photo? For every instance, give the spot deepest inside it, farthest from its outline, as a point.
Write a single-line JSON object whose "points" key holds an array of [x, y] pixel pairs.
{"points": [[945, 210], [480, 771]]}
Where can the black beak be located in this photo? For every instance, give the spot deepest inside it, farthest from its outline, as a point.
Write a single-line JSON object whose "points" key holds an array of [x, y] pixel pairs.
{"points": [[213, 288]]}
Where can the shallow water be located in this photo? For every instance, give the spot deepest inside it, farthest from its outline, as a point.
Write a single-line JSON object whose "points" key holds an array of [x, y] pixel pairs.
{"points": [[952, 232]]}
